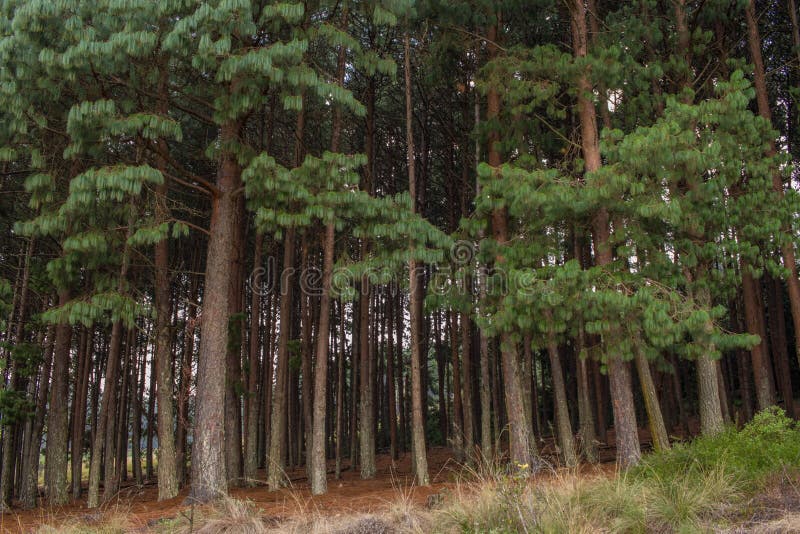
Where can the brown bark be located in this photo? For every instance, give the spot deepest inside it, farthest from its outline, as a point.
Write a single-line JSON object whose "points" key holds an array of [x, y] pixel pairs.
{"points": [[777, 329], [251, 403], [565, 437], [762, 100], [458, 409], [420, 460], [185, 379], [55, 474], [762, 368], [277, 443], [628, 450], [466, 384], [658, 430], [209, 476], [167, 470]]}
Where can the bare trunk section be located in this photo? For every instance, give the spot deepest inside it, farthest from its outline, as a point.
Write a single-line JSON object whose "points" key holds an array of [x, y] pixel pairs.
{"points": [[55, 474], [251, 403], [209, 476], [658, 431], [167, 471], [277, 444], [565, 438], [759, 355]]}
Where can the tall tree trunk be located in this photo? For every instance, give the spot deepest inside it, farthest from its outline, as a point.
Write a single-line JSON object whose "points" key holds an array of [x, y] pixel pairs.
{"points": [[762, 100], [759, 355], [80, 398], [340, 396], [55, 474], [251, 403], [420, 459], [233, 357], [777, 329], [628, 450], [209, 476], [466, 367], [458, 408], [29, 492], [390, 379], [186, 378], [277, 442], [522, 447], [167, 470]]}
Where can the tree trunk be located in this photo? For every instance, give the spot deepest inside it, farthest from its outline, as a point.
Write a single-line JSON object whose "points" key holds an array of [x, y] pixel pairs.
{"points": [[565, 438], [777, 329], [458, 409], [628, 450], [420, 460], [466, 367], [209, 476], [29, 492], [762, 100], [318, 466], [277, 443], [186, 378], [658, 431], [251, 403], [167, 470], [762, 368]]}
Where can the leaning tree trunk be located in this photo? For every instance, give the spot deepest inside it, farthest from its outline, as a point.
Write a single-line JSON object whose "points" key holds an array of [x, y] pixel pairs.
{"points": [[658, 430], [565, 438]]}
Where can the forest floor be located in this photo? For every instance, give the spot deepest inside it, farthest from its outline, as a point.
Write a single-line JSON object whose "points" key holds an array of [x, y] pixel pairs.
{"points": [[348, 495], [353, 505]]}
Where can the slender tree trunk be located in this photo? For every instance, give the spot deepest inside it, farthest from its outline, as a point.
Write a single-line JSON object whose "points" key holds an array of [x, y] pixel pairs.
{"points": [[29, 492], [628, 450], [186, 376], [168, 484], [762, 100], [420, 460], [762, 368], [466, 367], [458, 408], [658, 431], [340, 397], [565, 438], [390, 379], [79, 408], [277, 443], [251, 403], [777, 329]]}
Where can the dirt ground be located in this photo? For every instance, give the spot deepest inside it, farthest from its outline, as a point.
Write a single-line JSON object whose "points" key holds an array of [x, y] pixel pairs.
{"points": [[348, 495]]}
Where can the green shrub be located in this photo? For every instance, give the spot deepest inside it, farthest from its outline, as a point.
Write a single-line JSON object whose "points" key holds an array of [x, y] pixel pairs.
{"points": [[766, 445]]}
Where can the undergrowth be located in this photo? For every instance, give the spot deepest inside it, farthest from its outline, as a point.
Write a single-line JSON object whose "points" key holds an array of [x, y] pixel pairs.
{"points": [[712, 483]]}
